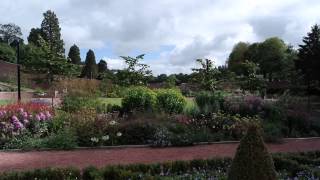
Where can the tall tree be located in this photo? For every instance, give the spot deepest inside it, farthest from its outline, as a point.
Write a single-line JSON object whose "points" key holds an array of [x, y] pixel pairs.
{"points": [[34, 36], [7, 53], [272, 53], [102, 66], [51, 33], [237, 56], [90, 68], [206, 75], [10, 32], [74, 54], [136, 73], [102, 69], [42, 60], [309, 55]]}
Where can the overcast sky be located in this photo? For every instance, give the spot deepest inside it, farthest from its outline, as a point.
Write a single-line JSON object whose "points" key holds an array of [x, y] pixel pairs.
{"points": [[172, 33]]}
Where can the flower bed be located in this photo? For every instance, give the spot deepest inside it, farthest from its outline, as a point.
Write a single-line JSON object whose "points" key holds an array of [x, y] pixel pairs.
{"points": [[19, 119]]}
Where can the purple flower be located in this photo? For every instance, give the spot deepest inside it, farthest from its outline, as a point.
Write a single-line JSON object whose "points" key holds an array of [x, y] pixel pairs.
{"points": [[25, 121], [25, 115], [14, 118], [48, 114], [42, 116], [38, 117], [18, 125], [30, 116]]}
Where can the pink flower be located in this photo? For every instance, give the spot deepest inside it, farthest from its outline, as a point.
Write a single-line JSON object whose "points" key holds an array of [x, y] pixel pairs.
{"points": [[25, 115], [18, 125], [21, 110], [48, 114], [14, 118], [42, 116], [38, 117]]}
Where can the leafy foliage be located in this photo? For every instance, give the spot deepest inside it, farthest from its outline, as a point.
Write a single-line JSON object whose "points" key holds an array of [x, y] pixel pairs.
{"points": [[74, 54], [51, 33], [139, 99], [206, 75], [10, 32], [170, 101], [90, 69], [7, 53], [252, 160], [136, 73]]}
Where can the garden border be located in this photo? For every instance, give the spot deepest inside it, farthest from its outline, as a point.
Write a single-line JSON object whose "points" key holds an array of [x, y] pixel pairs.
{"points": [[144, 145]]}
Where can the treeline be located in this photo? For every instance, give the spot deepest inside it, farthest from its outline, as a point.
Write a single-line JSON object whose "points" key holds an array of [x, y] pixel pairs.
{"points": [[252, 65]]}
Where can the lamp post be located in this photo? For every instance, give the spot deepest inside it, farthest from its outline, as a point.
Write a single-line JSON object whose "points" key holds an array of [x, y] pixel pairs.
{"points": [[17, 44]]}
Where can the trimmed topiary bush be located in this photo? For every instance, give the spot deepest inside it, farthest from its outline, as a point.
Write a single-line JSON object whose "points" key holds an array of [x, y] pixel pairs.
{"points": [[252, 160], [139, 99], [170, 101]]}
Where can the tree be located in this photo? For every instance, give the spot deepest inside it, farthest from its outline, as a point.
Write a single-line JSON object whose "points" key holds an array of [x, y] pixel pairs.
{"points": [[249, 79], [34, 36], [237, 56], [272, 54], [10, 32], [102, 69], [42, 60], [74, 54], [252, 160], [90, 68], [136, 73], [206, 74], [171, 81], [309, 56], [51, 33], [7, 53]]}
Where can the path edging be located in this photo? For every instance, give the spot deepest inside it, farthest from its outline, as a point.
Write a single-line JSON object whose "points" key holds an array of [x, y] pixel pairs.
{"points": [[139, 146]]}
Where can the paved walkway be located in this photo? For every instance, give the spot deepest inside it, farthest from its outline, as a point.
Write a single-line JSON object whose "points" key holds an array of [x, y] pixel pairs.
{"points": [[102, 157]]}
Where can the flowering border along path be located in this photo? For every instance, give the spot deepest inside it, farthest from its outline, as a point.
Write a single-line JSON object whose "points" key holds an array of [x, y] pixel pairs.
{"points": [[82, 158]]}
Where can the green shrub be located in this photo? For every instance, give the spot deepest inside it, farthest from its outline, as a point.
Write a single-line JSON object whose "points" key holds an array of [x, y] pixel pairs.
{"points": [[137, 133], [91, 173], [139, 99], [170, 101], [48, 174], [272, 132], [25, 142], [252, 160], [76, 103], [209, 102], [63, 139], [60, 119]]}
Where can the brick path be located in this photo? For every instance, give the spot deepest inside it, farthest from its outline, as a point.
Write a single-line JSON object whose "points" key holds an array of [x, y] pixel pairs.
{"points": [[102, 157]]}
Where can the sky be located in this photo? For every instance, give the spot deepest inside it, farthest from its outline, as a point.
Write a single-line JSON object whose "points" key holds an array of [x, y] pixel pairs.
{"points": [[172, 33]]}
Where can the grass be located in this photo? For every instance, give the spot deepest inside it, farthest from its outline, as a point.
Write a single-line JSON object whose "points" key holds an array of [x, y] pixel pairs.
{"points": [[112, 101], [4, 101]]}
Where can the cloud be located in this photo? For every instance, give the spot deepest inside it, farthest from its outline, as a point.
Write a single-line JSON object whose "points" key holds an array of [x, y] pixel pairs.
{"points": [[193, 29]]}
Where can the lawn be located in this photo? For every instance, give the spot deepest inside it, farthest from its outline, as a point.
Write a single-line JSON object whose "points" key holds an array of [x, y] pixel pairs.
{"points": [[4, 101], [112, 101]]}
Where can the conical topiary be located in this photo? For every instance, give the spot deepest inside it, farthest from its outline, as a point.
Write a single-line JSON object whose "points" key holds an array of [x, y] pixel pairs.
{"points": [[252, 160]]}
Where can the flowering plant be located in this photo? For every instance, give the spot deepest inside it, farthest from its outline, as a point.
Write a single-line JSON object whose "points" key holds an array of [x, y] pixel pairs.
{"points": [[16, 119]]}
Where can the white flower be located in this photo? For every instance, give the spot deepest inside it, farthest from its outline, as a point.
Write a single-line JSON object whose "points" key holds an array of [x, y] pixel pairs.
{"points": [[112, 123], [105, 138], [119, 134], [94, 139]]}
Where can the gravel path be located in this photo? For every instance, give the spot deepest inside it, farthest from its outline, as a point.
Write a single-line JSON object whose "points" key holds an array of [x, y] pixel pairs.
{"points": [[102, 157]]}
